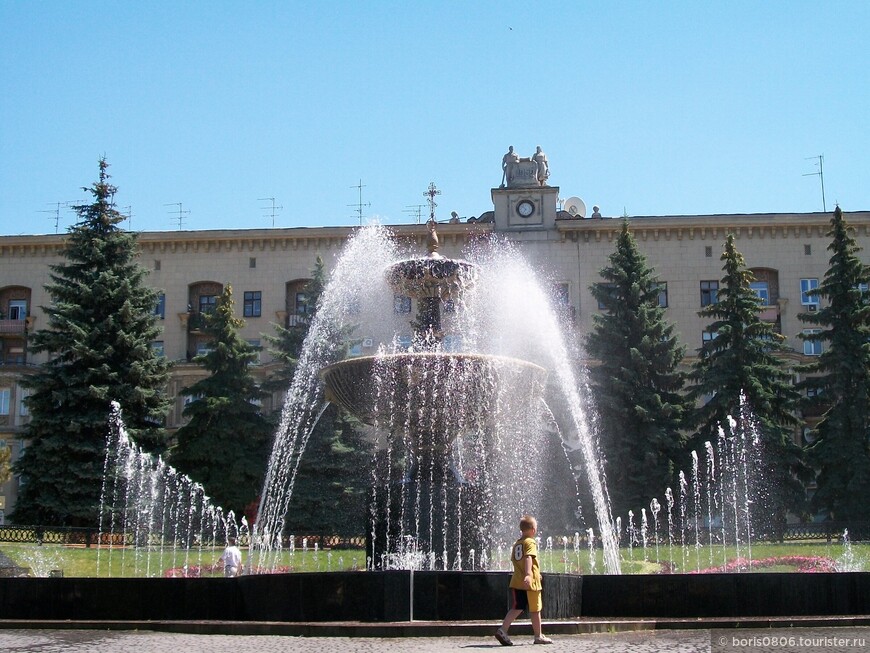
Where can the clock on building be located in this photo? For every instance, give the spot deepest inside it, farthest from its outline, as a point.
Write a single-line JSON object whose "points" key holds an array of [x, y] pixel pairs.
{"points": [[525, 208]]}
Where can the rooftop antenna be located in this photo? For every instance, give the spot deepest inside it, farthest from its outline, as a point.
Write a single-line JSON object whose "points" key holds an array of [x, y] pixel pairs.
{"points": [[56, 211], [415, 210], [821, 175], [430, 194], [129, 216], [273, 208], [179, 214], [359, 205]]}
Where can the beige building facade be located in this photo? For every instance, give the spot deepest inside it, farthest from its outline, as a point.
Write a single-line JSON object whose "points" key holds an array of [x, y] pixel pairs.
{"points": [[268, 269]]}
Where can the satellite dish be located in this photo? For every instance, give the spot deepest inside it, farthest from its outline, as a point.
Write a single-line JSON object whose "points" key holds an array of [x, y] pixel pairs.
{"points": [[576, 207]]}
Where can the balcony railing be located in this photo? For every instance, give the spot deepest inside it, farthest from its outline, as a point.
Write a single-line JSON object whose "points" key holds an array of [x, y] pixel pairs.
{"points": [[13, 327]]}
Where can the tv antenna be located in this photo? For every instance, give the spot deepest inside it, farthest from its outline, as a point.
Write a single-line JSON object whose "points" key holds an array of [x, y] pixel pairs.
{"points": [[430, 194], [359, 205], [56, 211], [821, 175], [415, 210], [129, 216], [273, 208], [179, 214]]}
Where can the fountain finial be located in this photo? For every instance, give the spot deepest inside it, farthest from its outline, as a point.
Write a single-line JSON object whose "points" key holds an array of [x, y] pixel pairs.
{"points": [[432, 240]]}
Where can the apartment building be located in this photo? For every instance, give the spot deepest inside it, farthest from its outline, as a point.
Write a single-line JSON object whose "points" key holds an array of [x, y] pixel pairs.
{"points": [[268, 269]]}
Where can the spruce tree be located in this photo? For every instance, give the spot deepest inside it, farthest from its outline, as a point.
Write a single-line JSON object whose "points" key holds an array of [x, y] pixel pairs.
{"points": [[840, 384], [100, 326], [638, 383], [740, 360], [224, 446]]}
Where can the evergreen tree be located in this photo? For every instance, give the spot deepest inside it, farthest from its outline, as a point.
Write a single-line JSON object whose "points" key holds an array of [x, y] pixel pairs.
{"points": [[224, 446], [101, 324], [638, 383], [739, 360], [841, 452], [330, 487]]}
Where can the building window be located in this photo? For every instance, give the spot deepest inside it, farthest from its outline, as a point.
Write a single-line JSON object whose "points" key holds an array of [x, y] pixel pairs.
{"points": [[708, 336], [663, 294], [252, 262], [708, 251], [253, 303], [22, 401], [808, 250], [709, 293], [814, 392], [448, 306], [157, 264], [5, 394], [17, 309], [608, 288], [401, 304], [808, 285], [160, 308], [403, 343], [762, 290], [301, 303], [157, 348], [207, 303], [812, 347]]}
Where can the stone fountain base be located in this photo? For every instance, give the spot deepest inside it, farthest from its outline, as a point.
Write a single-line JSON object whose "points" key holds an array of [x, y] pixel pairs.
{"points": [[438, 596]]}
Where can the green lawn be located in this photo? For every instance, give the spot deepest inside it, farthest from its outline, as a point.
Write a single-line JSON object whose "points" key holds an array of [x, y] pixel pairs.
{"points": [[78, 561]]}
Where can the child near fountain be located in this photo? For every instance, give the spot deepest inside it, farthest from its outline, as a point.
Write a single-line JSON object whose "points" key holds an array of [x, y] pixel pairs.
{"points": [[525, 584], [232, 558]]}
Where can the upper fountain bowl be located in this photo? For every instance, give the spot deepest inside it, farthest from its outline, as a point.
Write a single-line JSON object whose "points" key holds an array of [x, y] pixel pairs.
{"points": [[431, 276]]}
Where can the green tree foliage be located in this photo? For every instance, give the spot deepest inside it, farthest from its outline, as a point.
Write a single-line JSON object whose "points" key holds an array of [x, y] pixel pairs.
{"points": [[334, 471], [101, 324], [840, 384], [741, 359], [224, 446], [5, 464], [638, 384]]}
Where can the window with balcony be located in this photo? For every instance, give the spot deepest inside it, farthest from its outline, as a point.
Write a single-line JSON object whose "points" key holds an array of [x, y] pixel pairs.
{"points": [[807, 286], [207, 303], [253, 303], [17, 309], [762, 289], [709, 292], [812, 347]]}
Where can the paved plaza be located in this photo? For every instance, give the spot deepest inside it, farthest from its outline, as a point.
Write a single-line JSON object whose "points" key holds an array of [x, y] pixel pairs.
{"points": [[827, 640]]}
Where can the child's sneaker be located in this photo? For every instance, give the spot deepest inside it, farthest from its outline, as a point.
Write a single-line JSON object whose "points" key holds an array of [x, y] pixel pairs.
{"points": [[503, 638], [543, 639]]}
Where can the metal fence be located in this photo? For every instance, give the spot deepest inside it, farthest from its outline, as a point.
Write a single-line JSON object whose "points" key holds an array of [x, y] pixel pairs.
{"points": [[89, 537]]}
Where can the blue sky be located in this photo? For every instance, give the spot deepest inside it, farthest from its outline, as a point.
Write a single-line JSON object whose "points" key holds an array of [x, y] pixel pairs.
{"points": [[648, 108]]}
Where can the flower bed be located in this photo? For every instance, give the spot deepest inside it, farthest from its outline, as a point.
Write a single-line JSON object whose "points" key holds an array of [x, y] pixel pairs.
{"points": [[803, 564]]}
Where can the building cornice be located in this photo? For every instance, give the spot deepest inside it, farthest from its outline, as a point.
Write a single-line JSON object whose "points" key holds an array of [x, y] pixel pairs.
{"points": [[711, 227]]}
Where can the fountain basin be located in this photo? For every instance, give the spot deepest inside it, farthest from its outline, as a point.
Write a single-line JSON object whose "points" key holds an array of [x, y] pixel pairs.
{"points": [[432, 396]]}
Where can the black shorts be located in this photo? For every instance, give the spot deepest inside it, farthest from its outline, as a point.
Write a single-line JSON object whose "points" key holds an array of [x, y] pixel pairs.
{"points": [[519, 599]]}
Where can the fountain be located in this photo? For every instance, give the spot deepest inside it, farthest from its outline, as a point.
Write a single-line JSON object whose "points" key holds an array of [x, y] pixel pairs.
{"points": [[455, 405]]}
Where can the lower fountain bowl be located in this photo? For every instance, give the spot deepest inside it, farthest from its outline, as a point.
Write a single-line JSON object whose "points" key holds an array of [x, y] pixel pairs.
{"points": [[430, 395]]}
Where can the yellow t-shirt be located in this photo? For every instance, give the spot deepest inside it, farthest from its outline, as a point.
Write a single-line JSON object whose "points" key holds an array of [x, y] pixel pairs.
{"points": [[522, 548]]}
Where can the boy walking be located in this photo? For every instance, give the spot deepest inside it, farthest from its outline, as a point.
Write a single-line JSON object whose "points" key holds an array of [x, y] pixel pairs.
{"points": [[525, 584]]}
